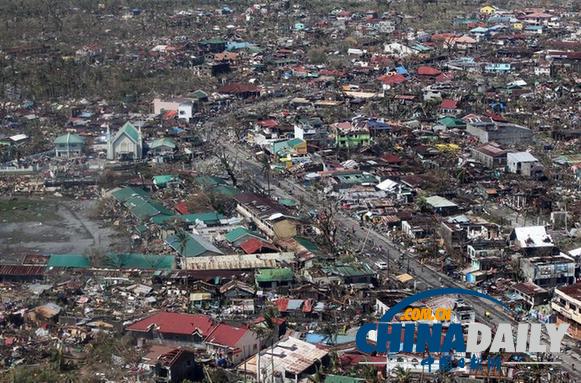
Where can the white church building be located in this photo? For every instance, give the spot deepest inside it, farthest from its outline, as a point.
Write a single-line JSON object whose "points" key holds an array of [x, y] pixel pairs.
{"points": [[126, 144]]}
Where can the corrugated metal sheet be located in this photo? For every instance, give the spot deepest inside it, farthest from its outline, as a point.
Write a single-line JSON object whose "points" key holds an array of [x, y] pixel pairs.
{"points": [[18, 270], [238, 262]]}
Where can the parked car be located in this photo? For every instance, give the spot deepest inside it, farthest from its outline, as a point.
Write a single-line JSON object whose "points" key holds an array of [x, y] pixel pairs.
{"points": [[381, 265]]}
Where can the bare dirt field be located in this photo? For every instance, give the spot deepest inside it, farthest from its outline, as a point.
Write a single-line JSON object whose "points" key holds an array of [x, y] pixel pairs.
{"points": [[52, 226]]}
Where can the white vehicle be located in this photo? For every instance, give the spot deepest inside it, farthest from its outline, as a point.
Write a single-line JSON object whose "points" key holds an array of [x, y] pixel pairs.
{"points": [[381, 265]]}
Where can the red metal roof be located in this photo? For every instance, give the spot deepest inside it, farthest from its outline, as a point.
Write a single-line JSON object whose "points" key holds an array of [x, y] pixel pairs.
{"points": [[170, 114], [391, 158], [495, 116], [270, 123], [425, 70], [449, 104], [174, 323], [446, 76], [226, 335], [308, 306], [255, 245], [18, 270], [282, 304], [392, 80], [182, 208]]}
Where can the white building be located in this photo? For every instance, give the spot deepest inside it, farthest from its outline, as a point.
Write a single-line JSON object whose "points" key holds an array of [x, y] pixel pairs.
{"points": [[398, 49], [127, 144], [184, 107], [522, 163], [291, 359]]}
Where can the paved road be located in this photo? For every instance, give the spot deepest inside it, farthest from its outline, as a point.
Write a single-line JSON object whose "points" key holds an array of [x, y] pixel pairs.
{"points": [[427, 277]]}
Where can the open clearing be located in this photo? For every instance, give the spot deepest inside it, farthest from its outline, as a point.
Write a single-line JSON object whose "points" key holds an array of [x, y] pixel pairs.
{"points": [[51, 225]]}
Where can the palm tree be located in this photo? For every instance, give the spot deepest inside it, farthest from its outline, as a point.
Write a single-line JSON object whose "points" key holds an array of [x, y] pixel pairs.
{"points": [[318, 376], [266, 170], [370, 373], [265, 331], [182, 240], [402, 375]]}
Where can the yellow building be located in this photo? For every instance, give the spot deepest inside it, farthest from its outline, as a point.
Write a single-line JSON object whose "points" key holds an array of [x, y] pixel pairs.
{"points": [[518, 26], [488, 10]]}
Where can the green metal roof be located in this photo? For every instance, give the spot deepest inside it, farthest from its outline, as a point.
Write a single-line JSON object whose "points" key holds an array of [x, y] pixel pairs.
{"points": [[309, 245], [351, 271], [209, 181], [342, 379], [451, 122], [130, 130], [239, 233], [164, 179], [139, 261], [274, 275], [162, 219], [194, 246], [209, 218], [141, 208], [163, 142], [77, 261], [69, 139], [287, 202], [199, 94], [226, 190], [295, 142], [126, 193]]}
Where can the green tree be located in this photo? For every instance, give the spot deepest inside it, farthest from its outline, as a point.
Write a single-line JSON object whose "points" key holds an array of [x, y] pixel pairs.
{"points": [[317, 56]]}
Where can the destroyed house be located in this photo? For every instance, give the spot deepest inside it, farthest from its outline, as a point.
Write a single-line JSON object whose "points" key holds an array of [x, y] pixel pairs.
{"points": [[212, 45], [348, 179], [173, 328], [271, 218], [363, 274], [192, 245], [532, 294], [549, 271], [531, 240], [481, 250], [441, 205], [313, 131], [290, 359], [502, 133], [456, 231], [418, 227], [236, 343], [172, 365], [240, 90], [271, 278], [237, 289], [567, 304], [489, 155]]}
